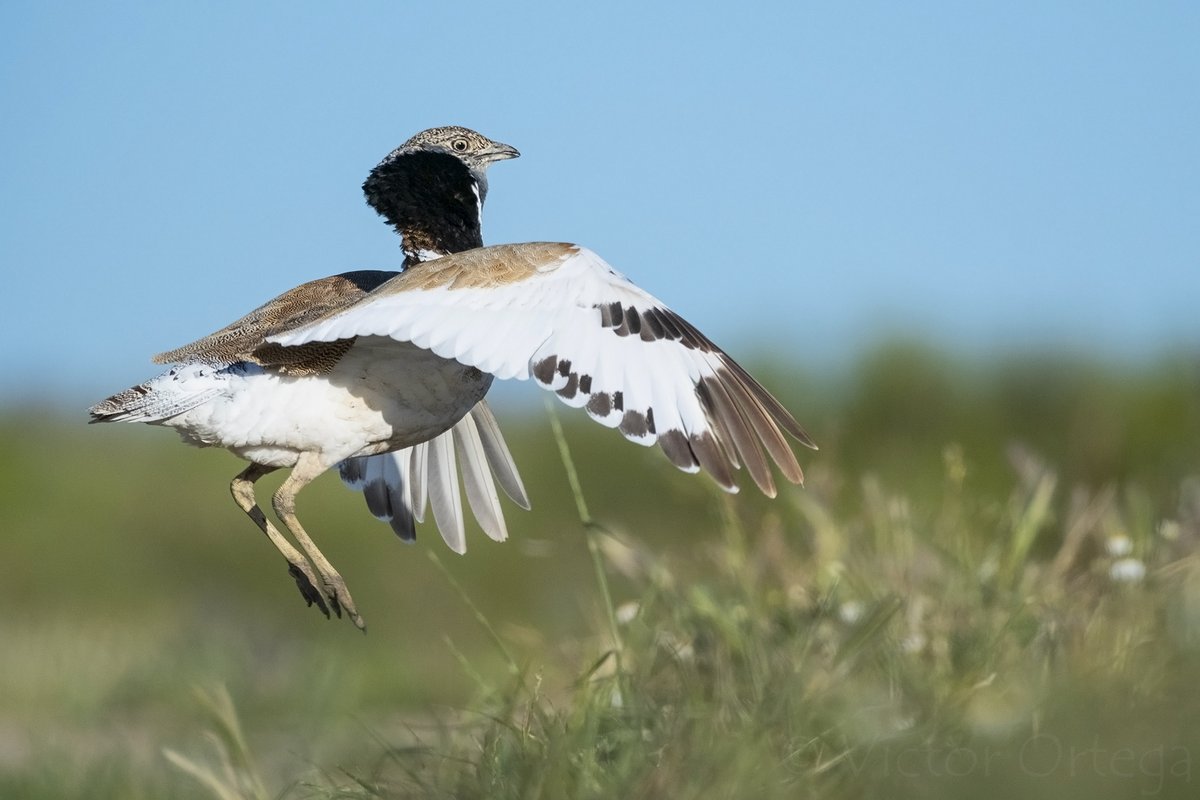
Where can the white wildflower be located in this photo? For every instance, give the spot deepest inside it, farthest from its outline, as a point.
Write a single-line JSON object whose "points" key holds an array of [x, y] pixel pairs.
{"points": [[1127, 570], [850, 612], [627, 612], [1118, 545]]}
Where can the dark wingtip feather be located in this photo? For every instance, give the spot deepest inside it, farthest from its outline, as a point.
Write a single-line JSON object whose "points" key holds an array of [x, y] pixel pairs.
{"points": [[716, 395], [712, 460], [772, 406], [675, 444], [404, 525], [380, 503]]}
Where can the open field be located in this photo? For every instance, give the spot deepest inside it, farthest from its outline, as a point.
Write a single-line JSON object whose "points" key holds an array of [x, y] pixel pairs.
{"points": [[989, 587]]}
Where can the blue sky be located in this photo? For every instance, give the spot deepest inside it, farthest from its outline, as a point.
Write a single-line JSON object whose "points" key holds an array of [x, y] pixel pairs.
{"points": [[803, 177]]}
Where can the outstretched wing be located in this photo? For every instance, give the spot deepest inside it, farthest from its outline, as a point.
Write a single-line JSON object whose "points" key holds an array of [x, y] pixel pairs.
{"points": [[561, 315]]}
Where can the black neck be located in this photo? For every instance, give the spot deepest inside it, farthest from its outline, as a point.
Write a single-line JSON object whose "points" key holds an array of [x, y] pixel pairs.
{"points": [[432, 200]]}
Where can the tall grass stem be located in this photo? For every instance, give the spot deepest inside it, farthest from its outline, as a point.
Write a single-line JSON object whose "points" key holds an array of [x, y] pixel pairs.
{"points": [[590, 528], [479, 616]]}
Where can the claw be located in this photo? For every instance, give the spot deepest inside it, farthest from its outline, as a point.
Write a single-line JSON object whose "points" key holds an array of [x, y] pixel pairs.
{"points": [[339, 598], [334, 596], [308, 591]]}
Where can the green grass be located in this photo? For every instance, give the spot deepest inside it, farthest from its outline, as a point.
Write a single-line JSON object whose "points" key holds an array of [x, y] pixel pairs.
{"points": [[842, 670], [940, 613], [903, 657]]}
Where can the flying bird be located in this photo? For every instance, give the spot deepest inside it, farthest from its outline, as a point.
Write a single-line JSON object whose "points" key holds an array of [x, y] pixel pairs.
{"points": [[411, 354], [379, 419]]}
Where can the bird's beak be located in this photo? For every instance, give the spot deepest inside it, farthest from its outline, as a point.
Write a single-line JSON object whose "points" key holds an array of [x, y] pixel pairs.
{"points": [[502, 152]]}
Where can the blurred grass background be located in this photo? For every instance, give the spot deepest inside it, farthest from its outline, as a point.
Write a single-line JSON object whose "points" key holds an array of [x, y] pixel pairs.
{"points": [[951, 605]]}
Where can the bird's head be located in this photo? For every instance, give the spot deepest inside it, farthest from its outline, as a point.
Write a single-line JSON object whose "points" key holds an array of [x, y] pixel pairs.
{"points": [[432, 187], [474, 149], [471, 149]]}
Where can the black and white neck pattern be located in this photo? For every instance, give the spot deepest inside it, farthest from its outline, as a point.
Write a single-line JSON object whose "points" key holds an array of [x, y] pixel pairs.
{"points": [[432, 199]]}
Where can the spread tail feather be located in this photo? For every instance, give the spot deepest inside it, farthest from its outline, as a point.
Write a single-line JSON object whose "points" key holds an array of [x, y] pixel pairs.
{"points": [[172, 393]]}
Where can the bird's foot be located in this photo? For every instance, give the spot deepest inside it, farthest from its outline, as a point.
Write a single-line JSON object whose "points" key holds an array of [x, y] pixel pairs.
{"points": [[307, 583], [339, 597]]}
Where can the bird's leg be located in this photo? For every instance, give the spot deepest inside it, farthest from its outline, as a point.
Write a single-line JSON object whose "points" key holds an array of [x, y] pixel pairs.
{"points": [[301, 571], [284, 502]]}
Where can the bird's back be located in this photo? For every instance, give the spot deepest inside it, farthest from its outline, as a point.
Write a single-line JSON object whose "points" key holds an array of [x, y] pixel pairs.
{"points": [[204, 365], [245, 338]]}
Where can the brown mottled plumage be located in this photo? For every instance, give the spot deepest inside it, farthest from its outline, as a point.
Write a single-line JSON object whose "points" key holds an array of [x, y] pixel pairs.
{"points": [[245, 339], [482, 268]]}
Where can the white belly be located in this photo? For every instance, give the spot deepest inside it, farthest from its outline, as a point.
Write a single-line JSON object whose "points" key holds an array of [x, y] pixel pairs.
{"points": [[381, 395]]}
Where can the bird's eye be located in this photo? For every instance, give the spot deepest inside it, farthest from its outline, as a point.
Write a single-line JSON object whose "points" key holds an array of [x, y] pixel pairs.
{"points": [[460, 145]]}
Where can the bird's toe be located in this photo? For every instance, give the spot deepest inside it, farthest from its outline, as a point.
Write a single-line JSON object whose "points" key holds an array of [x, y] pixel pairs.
{"points": [[340, 600], [308, 591]]}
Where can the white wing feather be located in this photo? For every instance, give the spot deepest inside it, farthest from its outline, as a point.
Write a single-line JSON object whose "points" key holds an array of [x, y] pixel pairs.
{"points": [[584, 331], [444, 495], [395, 483]]}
